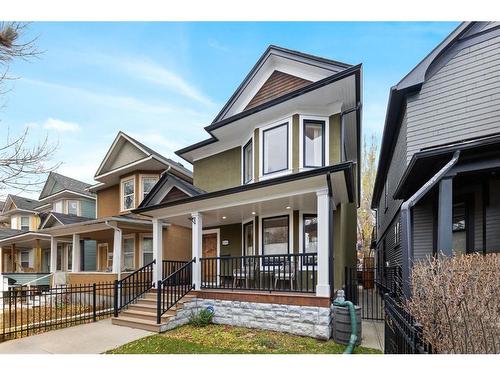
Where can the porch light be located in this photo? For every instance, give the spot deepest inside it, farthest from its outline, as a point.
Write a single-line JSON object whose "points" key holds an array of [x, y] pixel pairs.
{"points": [[288, 207], [224, 218], [253, 212]]}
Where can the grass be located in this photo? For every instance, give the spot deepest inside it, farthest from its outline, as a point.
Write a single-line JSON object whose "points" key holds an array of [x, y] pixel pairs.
{"points": [[222, 339]]}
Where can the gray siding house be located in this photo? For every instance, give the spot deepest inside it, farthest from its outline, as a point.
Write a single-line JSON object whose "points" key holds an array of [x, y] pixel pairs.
{"points": [[438, 184]]}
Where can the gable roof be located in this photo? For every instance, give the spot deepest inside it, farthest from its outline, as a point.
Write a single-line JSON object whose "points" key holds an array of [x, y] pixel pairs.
{"points": [[271, 60], [411, 83], [57, 183], [136, 152], [21, 203], [62, 219], [7, 232]]}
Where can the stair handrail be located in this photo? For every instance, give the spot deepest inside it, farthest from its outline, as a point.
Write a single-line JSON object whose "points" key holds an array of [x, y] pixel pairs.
{"points": [[170, 290]]}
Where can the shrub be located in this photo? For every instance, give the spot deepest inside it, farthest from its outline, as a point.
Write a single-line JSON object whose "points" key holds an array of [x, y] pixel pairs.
{"points": [[202, 318], [457, 302]]}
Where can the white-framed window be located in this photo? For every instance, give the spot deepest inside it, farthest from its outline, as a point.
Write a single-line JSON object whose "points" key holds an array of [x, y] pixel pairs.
{"points": [[58, 207], [25, 259], [276, 235], [128, 253], [147, 183], [128, 194], [275, 148], [248, 162], [313, 143], [248, 238], [310, 233], [147, 249], [25, 223], [72, 207]]}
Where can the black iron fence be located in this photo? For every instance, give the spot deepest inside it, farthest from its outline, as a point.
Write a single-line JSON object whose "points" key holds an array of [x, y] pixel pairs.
{"points": [[170, 266], [132, 287], [25, 311], [402, 334], [171, 289], [284, 272]]}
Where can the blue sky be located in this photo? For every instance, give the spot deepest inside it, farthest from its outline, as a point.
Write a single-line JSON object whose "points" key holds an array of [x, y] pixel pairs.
{"points": [[163, 82]]}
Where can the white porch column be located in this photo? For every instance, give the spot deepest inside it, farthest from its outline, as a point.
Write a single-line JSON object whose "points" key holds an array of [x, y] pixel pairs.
{"points": [[323, 285], [1, 263], [53, 254], [197, 237], [157, 250], [117, 252], [75, 260]]}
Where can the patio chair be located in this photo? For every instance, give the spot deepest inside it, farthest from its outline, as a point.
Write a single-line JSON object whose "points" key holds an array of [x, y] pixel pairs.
{"points": [[286, 272], [245, 273]]}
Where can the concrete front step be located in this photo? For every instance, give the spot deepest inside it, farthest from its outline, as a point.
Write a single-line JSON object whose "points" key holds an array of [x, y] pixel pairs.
{"points": [[146, 315], [146, 325]]}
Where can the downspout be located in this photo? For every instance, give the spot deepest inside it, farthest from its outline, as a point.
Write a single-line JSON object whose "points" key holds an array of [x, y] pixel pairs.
{"points": [[406, 223]]}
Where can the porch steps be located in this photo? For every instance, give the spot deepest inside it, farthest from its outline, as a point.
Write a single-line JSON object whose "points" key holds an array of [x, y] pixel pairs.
{"points": [[142, 314]]}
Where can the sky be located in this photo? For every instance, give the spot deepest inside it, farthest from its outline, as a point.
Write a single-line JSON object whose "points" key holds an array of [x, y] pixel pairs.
{"points": [[163, 82]]}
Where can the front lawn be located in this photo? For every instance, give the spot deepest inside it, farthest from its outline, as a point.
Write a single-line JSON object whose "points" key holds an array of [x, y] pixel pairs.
{"points": [[221, 339]]}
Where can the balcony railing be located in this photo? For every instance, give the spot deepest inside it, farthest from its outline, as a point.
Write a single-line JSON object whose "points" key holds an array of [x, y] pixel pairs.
{"points": [[281, 272]]}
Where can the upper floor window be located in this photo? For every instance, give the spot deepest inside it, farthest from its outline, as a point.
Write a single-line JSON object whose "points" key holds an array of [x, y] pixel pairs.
{"points": [[147, 185], [58, 207], [275, 149], [128, 194], [248, 162], [72, 207], [25, 223], [314, 143]]}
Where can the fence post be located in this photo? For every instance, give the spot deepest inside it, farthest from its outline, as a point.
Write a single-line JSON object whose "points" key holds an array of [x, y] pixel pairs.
{"points": [[94, 305], [158, 302], [115, 298]]}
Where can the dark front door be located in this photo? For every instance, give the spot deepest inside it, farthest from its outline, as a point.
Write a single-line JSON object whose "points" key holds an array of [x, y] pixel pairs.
{"points": [[209, 250], [463, 225]]}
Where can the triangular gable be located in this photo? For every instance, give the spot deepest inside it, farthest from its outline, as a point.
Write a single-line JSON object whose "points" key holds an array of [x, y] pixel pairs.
{"points": [[50, 222], [298, 64], [174, 194], [9, 204], [123, 151], [277, 84]]}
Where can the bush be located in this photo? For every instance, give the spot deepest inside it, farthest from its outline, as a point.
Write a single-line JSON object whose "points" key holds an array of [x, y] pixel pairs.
{"points": [[202, 318], [457, 302]]}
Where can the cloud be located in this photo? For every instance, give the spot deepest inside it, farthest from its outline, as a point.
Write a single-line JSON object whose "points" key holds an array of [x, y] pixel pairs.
{"points": [[61, 126], [217, 45]]}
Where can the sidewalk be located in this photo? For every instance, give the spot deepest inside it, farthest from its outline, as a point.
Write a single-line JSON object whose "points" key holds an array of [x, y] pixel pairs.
{"points": [[92, 338], [373, 334]]}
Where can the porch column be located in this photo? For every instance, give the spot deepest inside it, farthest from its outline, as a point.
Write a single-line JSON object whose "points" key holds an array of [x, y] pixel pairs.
{"points": [[323, 285], [117, 252], [13, 257], [157, 250], [197, 239], [76, 254], [53, 254], [38, 256], [1, 261], [445, 217]]}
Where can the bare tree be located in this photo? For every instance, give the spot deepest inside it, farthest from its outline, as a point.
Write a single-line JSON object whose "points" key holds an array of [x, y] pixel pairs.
{"points": [[23, 164]]}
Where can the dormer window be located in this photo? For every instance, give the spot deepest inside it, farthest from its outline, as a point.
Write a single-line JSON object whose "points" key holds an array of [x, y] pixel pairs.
{"points": [[275, 149], [58, 207], [72, 207], [314, 143], [248, 162], [128, 194], [25, 223]]}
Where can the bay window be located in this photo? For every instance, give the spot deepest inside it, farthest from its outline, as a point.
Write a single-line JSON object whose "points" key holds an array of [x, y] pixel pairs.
{"points": [[313, 143], [248, 162], [147, 185], [128, 194], [72, 207], [275, 149]]}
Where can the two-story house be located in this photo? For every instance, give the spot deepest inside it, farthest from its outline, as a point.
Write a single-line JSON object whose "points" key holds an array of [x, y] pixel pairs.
{"points": [[116, 242], [272, 208], [437, 188]]}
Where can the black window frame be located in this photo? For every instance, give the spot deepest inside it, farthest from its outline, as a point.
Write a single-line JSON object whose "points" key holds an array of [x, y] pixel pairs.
{"points": [[287, 125], [250, 142], [323, 147], [245, 239], [308, 261], [262, 233]]}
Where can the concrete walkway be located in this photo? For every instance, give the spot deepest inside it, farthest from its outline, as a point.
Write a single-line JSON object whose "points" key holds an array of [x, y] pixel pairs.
{"points": [[92, 338], [372, 334]]}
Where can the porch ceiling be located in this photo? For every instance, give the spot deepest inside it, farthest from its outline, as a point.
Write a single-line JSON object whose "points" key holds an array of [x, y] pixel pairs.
{"points": [[27, 240]]}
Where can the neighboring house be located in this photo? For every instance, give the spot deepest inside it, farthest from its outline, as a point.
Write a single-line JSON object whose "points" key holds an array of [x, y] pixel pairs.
{"points": [[115, 242], [272, 212], [25, 249], [437, 187]]}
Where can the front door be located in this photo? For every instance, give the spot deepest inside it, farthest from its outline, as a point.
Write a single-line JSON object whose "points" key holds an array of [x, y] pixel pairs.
{"points": [[463, 222], [45, 260], [209, 250]]}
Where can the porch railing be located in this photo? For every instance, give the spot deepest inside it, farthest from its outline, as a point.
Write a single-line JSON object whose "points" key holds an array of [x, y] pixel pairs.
{"points": [[172, 288], [132, 287], [280, 272], [170, 266]]}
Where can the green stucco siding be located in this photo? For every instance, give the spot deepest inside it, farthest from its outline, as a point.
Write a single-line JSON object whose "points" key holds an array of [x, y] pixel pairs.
{"points": [[344, 241], [231, 233], [334, 146], [220, 171]]}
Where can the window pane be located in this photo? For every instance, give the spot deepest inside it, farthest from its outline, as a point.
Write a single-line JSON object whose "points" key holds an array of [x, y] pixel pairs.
{"points": [[459, 217], [310, 233], [59, 258], [128, 194], [128, 187], [276, 149], [128, 253], [73, 207], [249, 239], [147, 250], [25, 223], [275, 235], [25, 259], [147, 185], [58, 206], [248, 163], [70, 257], [313, 144]]}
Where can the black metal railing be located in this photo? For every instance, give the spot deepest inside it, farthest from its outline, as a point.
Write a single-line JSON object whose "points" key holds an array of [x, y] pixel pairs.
{"points": [[132, 287], [170, 266], [402, 334], [29, 310], [172, 288], [283, 272]]}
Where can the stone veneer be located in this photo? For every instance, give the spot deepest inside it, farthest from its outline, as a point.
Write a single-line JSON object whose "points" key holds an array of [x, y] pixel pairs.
{"points": [[299, 320]]}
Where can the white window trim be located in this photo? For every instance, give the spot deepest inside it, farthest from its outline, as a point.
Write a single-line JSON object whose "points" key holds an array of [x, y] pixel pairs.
{"points": [[289, 121], [251, 138], [301, 140], [122, 181], [243, 223], [301, 237], [127, 237], [141, 186], [142, 237]]}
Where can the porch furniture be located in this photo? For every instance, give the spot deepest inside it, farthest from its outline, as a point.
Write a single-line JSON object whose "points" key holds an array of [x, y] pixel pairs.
{"points": [[246, 273], [285, 272]]}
